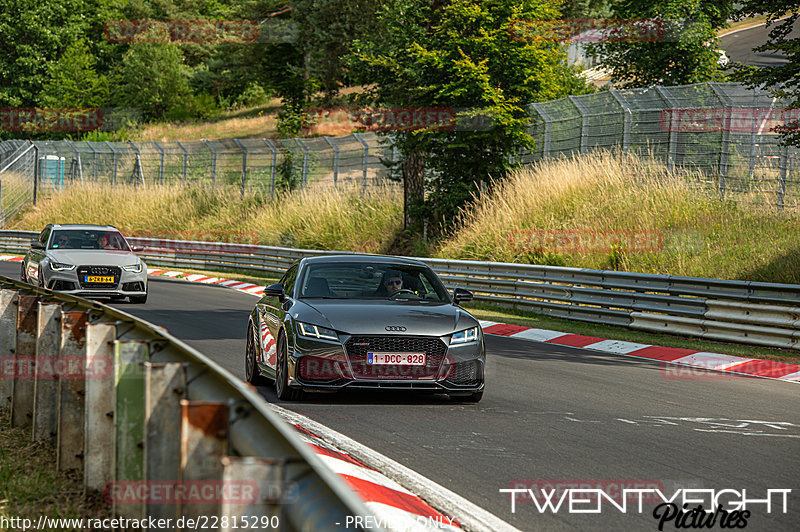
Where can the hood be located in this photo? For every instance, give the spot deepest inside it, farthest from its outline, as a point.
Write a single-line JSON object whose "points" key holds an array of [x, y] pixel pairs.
{"points": [[80, 257], [372, 317]]}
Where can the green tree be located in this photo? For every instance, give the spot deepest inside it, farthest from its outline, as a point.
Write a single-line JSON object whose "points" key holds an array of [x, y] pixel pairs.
{"points": [[74, 81], [153, 78], [783, 80], [678, 48], [459, 54]]}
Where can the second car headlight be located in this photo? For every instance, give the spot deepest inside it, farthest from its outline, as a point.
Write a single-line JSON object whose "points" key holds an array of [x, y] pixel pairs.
{"points": [[61, 266], [464, 337], [315, 331], [136, 268]]}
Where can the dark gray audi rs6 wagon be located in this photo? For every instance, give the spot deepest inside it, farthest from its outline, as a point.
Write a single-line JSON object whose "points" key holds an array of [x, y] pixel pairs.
{"points": [[367, 322]]}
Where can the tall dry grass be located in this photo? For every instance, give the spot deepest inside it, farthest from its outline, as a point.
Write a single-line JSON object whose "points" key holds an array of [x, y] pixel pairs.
{"points": [[655, 221], [328, 218]]}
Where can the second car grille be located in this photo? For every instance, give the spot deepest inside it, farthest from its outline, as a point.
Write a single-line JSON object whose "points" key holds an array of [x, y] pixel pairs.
{"points": [[98, 271], [357, 348]]}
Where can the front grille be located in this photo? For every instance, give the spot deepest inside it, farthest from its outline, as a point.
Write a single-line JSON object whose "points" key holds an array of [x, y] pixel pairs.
{"points": [[106, 271], [465, 373], [357, 348]]}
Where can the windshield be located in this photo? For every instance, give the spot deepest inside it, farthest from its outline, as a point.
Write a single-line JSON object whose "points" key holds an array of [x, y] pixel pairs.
{"points": [[364, 280], [88, 239]]}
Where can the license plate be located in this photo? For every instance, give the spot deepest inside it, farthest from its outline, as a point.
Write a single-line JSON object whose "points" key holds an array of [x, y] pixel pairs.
{"points": [[402, 359], [100, 279]]}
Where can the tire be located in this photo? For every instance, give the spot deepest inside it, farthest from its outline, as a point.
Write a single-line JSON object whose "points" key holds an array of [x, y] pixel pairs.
{"points": [[251, 371], [282, 389], [138, 300]]}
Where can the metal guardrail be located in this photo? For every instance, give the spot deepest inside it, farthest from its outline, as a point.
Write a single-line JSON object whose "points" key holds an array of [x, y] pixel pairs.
{"points": [[137, 412], [637, 300]]}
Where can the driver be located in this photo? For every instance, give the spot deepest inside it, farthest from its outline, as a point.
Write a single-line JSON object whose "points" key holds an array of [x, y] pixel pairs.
{"points": [[392, 282]]}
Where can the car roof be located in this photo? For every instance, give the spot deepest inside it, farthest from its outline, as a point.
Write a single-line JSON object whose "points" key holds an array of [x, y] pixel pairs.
{"points": [[363, 257], [87, 227]]}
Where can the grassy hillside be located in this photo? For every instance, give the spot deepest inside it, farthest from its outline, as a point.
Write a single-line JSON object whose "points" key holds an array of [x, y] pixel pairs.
{"points": [[600, 211]]}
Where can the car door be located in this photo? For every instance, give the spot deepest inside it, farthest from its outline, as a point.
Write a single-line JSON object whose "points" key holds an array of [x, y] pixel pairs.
{"points": [[271, 313], [36, 256]]}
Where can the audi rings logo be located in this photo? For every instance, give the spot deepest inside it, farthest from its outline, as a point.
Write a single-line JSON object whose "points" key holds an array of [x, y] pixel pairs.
{"points": [[395, 328]]}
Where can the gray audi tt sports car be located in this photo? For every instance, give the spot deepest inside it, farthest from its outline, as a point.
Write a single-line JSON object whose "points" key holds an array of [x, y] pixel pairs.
{"points": [[86, 260], [367, 322]]}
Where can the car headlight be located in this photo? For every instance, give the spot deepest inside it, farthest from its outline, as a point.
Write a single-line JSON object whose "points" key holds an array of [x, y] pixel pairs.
{"points": [[315, 331], [61, 266], [464, 337], [137, 268]]}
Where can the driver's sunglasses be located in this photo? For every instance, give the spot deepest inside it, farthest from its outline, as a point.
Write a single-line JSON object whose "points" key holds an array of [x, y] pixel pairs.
{"points": [[397, 282]]}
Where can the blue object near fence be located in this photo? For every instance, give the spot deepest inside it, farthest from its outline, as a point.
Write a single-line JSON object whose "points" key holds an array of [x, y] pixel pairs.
{"points": [[51, 170]]}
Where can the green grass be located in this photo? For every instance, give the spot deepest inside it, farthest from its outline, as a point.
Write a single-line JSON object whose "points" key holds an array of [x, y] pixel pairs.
{"points": [[31, 487]]}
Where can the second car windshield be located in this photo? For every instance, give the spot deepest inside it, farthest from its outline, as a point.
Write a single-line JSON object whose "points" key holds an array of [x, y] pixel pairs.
{"points": [[87, 239], [355, 280]]}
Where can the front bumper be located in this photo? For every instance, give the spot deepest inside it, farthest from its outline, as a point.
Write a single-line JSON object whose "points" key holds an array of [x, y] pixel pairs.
{"points": [[125, 284], [330, 366]]}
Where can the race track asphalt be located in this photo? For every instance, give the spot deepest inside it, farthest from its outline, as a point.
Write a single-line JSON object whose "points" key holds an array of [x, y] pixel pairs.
{"points": [[550, 414]]}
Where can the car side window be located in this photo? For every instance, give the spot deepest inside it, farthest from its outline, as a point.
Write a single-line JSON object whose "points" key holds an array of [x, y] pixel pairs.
{"points": [[289, 280], [45, 234]]}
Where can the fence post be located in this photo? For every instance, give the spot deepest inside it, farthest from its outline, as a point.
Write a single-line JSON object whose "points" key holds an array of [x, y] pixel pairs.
{"points": [[244, 163], [161, 163], [75, 165], [138, 172], [783, 165], [36, 171], [366, 154], [626, 119], [673, 104], [94, 159], [272, 168], [335, 159], [213, 161], [305, 160], [185, 159], [727, 105], [114, 153], [547, 122], [584, 121]]}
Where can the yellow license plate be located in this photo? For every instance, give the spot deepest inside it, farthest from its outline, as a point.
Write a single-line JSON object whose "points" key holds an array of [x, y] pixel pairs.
{"points": [[98, 279]]}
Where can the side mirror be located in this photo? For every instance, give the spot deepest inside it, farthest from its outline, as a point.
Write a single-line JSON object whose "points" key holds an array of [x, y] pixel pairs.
{"points": [[461, 295], [35, 244], [275, 290], [137, 249]]}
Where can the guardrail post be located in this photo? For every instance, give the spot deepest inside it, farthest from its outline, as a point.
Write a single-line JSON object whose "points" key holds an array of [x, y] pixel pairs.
{"points": [[71, 391], [204, 441], [45, 385], [24, 362], [129, 416], [8, 344], [98, 454], [261, 483], [274, 164], [165, 387]]}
